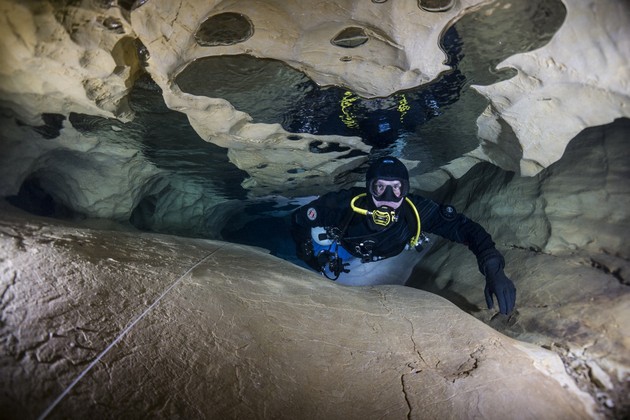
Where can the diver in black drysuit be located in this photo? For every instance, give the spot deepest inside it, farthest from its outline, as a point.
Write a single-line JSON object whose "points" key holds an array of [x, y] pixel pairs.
{"points": [[380, 221]]}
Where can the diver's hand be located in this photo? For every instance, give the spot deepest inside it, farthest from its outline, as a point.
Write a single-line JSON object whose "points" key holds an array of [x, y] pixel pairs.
{"points": [[499, 285]]}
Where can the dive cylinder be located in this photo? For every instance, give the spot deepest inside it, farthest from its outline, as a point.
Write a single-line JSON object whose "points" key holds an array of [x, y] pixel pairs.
{"points": [[320, 236]]}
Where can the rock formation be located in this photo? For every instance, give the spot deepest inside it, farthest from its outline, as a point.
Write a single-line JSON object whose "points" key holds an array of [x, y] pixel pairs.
{"points": [[562, 90], [549, 180], [152, 325], [563, 235]]}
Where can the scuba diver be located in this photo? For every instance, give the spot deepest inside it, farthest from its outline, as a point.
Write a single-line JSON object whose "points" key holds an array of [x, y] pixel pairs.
{"points": [[356, 228]]}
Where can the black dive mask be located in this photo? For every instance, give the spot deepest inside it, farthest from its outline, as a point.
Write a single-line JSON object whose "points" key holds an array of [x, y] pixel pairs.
{"points": [[388, 195]]}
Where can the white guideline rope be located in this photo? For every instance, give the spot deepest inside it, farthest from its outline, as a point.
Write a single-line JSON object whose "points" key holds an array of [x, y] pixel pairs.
{"points": [[124, 332]]}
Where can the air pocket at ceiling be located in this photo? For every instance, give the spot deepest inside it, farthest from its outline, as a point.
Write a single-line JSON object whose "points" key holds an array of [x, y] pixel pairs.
{"points": [[224, 29], [351, 37]]}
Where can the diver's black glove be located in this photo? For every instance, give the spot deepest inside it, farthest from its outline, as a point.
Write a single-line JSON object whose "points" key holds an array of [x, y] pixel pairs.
{"points": [[498, 284]]}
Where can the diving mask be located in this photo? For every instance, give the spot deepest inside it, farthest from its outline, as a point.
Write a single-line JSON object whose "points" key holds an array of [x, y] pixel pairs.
{"points": [[388, 190]]}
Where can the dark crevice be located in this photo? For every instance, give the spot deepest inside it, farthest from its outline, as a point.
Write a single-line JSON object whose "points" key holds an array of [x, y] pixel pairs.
{"points": [[33, 198], [53, 124], [616, 272]]}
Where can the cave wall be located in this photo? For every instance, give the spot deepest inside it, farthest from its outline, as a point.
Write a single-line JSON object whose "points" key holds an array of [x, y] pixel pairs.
{"points": [[564, 236], [579, 80], [107, 323], [563, 229], [92, 52]]}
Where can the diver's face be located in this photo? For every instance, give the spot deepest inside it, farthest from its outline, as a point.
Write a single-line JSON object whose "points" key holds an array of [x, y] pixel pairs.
{"points": [[387, 193]]}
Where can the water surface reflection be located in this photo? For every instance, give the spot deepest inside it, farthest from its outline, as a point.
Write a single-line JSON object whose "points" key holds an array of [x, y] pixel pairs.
{"points": [[273, 92]]}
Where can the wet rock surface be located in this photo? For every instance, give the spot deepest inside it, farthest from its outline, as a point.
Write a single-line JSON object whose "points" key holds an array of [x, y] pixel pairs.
{"points": [[564, 237], [110, 324], [261, 337]]}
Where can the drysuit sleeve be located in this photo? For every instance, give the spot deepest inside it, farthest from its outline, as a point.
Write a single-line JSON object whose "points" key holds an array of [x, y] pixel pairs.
{"points": [[443, 220], [328, 210]]}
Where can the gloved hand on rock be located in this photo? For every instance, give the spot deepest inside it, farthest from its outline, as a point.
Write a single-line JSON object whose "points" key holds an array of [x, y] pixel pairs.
{"points": [[499, 285]]}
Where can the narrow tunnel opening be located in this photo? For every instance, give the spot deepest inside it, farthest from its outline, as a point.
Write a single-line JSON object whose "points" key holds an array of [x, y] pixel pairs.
{"points": [[142, 215], [34, 198], [53, 123]]}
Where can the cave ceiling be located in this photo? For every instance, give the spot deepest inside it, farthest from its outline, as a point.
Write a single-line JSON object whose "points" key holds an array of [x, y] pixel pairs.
{"points": [[226, 100]]}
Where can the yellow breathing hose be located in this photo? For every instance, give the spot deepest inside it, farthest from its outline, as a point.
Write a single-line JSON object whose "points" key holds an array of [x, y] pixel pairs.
{"points": [[365, 212], [359, 210]]}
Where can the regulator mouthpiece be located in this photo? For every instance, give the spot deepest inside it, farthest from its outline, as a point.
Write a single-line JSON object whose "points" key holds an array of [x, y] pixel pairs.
{"points": [[383, 216]]}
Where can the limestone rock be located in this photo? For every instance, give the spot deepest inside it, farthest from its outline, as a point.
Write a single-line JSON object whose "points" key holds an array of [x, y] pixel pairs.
{"points": [[152, 325], [271, 337], [91, 53], [91, 176], [576, 81], [288, 32], [564, 235], [66, 59], [390, 61], [104, 174]]}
